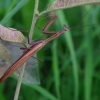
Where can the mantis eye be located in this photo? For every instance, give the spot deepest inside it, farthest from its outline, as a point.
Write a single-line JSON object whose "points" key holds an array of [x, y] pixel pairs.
{"points": [[65, 27]]}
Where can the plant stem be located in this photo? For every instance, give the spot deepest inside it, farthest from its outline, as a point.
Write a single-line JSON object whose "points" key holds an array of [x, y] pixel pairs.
{"points": [[35, 17], [19, 82]]}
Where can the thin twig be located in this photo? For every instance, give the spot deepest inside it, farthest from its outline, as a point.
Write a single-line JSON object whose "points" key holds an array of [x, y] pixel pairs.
{"points": [[19, 82], [35, 17]]}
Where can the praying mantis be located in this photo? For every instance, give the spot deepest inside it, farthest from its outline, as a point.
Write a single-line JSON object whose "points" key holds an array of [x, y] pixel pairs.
{"points": [[35, 47]]}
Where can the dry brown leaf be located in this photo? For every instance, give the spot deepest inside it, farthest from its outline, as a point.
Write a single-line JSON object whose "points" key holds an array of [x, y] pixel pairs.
{"points": [[62, 4], [11, 35], [5, 54]]}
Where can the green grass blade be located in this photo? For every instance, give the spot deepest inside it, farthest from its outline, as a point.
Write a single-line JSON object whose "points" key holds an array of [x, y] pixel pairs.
{"points": [[42, 91], [56, 69], [88, 60], [14, 10], [70, 44]]}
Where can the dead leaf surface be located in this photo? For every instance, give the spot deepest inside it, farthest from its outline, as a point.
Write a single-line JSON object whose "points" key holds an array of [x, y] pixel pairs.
{"points": [[62, 4], [5, 54], [11, 35]]}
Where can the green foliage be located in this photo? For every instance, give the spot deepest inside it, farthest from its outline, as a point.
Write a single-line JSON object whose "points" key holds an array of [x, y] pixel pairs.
{"points": [[70, 68]]}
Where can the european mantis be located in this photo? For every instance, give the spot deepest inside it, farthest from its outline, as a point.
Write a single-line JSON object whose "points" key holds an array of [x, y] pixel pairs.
{"points": [[35, 47]]}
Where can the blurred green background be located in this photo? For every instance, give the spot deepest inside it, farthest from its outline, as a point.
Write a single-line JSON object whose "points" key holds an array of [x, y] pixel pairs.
{"points": [[71, 63]]}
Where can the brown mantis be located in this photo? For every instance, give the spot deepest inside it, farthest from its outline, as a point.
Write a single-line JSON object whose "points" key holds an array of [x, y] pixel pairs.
{"points": [[35, 47]]}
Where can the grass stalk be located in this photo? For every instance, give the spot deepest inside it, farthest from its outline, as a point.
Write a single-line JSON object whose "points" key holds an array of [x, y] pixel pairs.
{"points": [[19, 82], [35, 17]]}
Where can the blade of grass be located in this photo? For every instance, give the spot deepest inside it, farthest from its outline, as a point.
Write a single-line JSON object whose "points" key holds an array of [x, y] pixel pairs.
{"points": [[42, 91], [14, 10], [70, 44], [88, 60], [88, 70], [2, 86], [55, 67], [13, 3]]}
